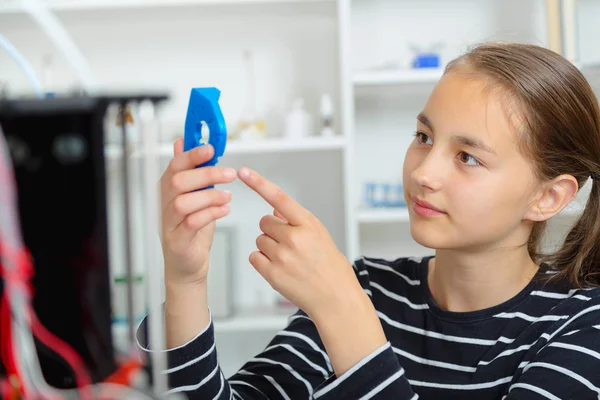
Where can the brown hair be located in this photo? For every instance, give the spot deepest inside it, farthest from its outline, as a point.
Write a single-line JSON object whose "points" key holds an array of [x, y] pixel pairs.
{"points": [[558, 119]]}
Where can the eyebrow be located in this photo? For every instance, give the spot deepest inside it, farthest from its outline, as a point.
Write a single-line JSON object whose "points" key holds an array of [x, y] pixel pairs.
{"points": [[462, 139]]}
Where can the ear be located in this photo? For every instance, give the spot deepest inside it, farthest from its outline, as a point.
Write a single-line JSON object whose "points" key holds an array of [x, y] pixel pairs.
{"points": [[553, 197]]}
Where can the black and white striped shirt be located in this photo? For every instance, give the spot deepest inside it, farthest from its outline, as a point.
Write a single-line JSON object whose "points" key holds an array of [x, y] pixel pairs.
{"points": [[544, 343]]}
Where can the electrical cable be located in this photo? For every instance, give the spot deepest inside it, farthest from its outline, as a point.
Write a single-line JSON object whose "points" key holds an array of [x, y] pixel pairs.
{"points": [[51, 25], [22, 62]]}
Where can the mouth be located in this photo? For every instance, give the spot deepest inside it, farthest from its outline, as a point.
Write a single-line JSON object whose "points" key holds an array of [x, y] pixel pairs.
{"points": [[425, 208]]}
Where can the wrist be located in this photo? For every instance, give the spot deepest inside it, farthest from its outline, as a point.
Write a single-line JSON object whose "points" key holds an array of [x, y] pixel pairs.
{"points": [[346, 305], [175, 276], [185, 297], [186, 311], [351, 332]]}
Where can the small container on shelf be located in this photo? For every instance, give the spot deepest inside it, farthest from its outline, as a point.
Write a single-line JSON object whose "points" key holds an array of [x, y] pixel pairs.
{"points": [[377, 195]]}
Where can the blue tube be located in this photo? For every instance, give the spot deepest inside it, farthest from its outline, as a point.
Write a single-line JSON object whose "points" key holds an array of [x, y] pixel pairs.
{"points": [[23, 64]]}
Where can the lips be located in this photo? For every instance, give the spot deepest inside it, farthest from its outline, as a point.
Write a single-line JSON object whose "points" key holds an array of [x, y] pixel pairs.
{"points": [[425, 208]]}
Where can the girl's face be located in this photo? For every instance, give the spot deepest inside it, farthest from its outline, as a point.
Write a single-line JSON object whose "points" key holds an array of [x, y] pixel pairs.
{"points": [[466, 183]]}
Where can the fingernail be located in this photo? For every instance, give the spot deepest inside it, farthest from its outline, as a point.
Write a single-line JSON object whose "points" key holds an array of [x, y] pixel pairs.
{"points": [[229, 173], [245, 172]]}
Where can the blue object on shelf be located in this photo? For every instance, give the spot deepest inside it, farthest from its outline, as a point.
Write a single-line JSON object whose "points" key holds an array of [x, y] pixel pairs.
{"points": [[426, 60], [387, 191], [204, 107], [369, 192], [383, 195]]}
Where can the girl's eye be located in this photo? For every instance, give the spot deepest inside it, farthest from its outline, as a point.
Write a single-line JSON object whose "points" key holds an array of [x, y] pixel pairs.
{"points": [[468, 160], [423, 138]]}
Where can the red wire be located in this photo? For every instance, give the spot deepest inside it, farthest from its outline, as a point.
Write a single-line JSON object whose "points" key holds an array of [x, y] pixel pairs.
{"points": [[61, 348], [21, 276], [5, 338], [6, 346], [123, 375]]}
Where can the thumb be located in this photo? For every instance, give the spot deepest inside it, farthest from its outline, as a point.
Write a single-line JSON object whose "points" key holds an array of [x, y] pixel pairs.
{"points": [[278, 215], [178, 146]]}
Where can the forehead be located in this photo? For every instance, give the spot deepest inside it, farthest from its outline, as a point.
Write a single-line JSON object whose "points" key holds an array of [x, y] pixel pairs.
{"points": [[464, 103]]}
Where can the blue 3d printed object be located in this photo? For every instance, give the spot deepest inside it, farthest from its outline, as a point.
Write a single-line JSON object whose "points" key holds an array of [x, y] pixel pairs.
{"points": [[204, 107]]}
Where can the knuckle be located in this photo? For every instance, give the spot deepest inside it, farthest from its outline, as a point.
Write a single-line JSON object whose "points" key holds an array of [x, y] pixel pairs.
{"points": [[263, 223], [281, 255], [172, 165], [293, 239], [253, 258], [176, 183], [179, 205], [190, 222], [259, 241]]}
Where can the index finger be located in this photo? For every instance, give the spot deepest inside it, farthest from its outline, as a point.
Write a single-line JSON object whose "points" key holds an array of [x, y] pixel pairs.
{"points": [[293, 212]]}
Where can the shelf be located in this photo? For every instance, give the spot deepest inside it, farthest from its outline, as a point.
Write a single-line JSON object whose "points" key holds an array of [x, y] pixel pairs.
{"points": [[383, 215], [74, 5], [261, 146], [425, 75]]}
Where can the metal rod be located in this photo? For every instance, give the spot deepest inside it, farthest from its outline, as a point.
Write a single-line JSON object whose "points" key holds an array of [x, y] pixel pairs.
{"points": [[153, 264], [128, 227]]}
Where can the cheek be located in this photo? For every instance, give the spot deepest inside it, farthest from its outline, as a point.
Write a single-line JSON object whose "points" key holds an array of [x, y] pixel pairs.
{"points": [[473, 198], [486, 205], [411, 162]]}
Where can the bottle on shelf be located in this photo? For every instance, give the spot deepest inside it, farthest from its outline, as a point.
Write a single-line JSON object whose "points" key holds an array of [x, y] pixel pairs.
{"points": [[298, 123], [326, 116]]}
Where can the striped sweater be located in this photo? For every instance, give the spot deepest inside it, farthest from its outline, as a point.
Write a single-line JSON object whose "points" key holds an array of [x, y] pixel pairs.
{"points": [[544, 343]]}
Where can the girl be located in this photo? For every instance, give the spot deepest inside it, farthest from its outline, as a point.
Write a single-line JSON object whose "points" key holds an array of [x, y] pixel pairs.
{"points": [[504, 142]]}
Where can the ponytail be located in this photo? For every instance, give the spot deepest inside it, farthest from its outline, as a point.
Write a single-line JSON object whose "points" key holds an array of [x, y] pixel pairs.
{"points": [[578, 260]]}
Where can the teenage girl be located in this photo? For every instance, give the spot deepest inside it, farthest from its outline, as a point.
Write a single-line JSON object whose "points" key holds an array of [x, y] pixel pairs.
{"points": [[506, 139]]}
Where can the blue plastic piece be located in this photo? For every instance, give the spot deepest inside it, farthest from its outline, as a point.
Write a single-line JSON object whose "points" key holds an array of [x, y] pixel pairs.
{"points": [[426, 60], [204, 107]]}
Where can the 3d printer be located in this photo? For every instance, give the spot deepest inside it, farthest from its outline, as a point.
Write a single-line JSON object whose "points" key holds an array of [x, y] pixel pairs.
{"points": [[56, 308]]}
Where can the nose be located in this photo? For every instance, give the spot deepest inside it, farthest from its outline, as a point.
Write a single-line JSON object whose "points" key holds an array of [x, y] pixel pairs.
{"points": [[431, 172]]}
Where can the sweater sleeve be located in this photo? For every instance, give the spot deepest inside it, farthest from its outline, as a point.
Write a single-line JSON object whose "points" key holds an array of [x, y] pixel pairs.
{"points": [[568, 365], [294, 365]]}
